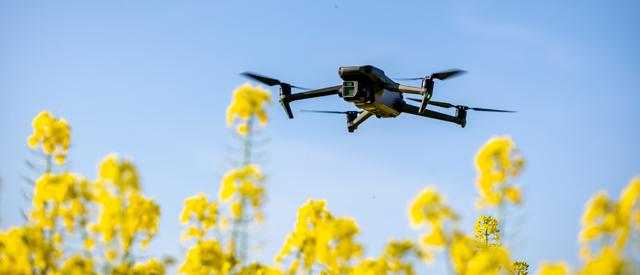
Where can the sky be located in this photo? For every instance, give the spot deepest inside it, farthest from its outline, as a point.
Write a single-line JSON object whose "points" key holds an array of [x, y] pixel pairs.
{"points": [[151, 80]]}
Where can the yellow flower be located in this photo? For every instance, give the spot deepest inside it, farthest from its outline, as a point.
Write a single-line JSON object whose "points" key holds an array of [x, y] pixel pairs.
{"points": [[258, 269], [77, 265], [487, 230], [151, 267], [468, 256], [607, 262], [23, 249], [248, 102], [89, 243], [125, 215], [429, 208], [121, 173], [616, 220], [60, 196], [497, 162], [206, 257], [111, 254], [201, 210], [236, 209], [436, 237], [371, 267], [520, 268], [558, 268], [52, 134], [397, 255], [320, 237], [490, 260]]}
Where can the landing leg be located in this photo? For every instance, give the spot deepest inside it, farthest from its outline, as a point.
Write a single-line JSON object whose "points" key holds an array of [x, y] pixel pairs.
{"points": [[352, 123]]}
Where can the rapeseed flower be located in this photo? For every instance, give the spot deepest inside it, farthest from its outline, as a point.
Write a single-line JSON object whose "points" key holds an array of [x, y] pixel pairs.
{"points": [[318, 237], [248, 102], [497, 162], [429, 209], [487, 230], [557, 268], [52, 135]]}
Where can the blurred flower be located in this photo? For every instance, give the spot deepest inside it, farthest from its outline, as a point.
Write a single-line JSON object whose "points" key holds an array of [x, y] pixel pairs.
{"points": [[469, 256], [247, 102], [26, 250], [429, 208], [258, 269], [607, 262], [62, 196], [498, 161], [606, 217], [151, 267], [77, 265], [320, 237], [203, 212], [125, 214], [206, 257], [52, 135], [558, 268]]}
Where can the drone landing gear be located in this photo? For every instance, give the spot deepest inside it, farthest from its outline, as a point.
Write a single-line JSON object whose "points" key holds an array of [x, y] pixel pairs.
{"points": [[355, 118]]}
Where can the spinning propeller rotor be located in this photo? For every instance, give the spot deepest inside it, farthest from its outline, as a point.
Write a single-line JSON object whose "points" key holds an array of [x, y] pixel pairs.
{"points": [[461, 107], [427, 84]]}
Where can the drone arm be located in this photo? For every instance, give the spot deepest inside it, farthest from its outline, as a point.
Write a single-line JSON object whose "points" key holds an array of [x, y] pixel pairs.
{"points": [[352, 125], [395, 87], [287, 97], [314, 93], [458, 119]]}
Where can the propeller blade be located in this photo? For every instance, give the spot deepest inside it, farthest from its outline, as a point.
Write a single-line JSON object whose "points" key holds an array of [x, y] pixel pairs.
{"points": [[269, 81], [441, 75], [323, 111], [441, 104], [447, 74], [263, 79], [449, 105], [408, 78], [491, 110]]}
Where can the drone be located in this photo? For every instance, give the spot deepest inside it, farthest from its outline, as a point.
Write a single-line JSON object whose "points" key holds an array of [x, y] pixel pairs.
{"points": [[375, 94]]}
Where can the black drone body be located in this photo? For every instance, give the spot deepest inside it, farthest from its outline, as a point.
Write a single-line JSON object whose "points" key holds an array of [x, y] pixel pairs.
{"points": [[375, 94]]}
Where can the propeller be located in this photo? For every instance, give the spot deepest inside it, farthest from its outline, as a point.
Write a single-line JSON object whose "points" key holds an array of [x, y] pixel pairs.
{"points": [[449, 105], [440, 75], [269, 81]]}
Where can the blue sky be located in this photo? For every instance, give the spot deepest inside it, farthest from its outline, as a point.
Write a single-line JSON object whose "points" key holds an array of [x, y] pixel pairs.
{"points": [[151, 81]]}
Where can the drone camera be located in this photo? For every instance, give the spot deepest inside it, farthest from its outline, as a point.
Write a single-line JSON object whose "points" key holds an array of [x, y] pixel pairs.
{"points": [[354, 91]]}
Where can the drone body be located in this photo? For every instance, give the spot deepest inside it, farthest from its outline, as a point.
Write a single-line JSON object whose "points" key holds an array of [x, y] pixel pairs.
{"points": [[375, 94]]}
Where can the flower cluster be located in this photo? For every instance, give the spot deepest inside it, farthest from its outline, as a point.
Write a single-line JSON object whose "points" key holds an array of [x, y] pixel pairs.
{"points": [[321, 238], [497, 162], [248, 102], [487, 230], [52, 134], [611, 222], [62, 196], [125, 214], [429, 208], [68, 209], [109, 217], [240, 185]]}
